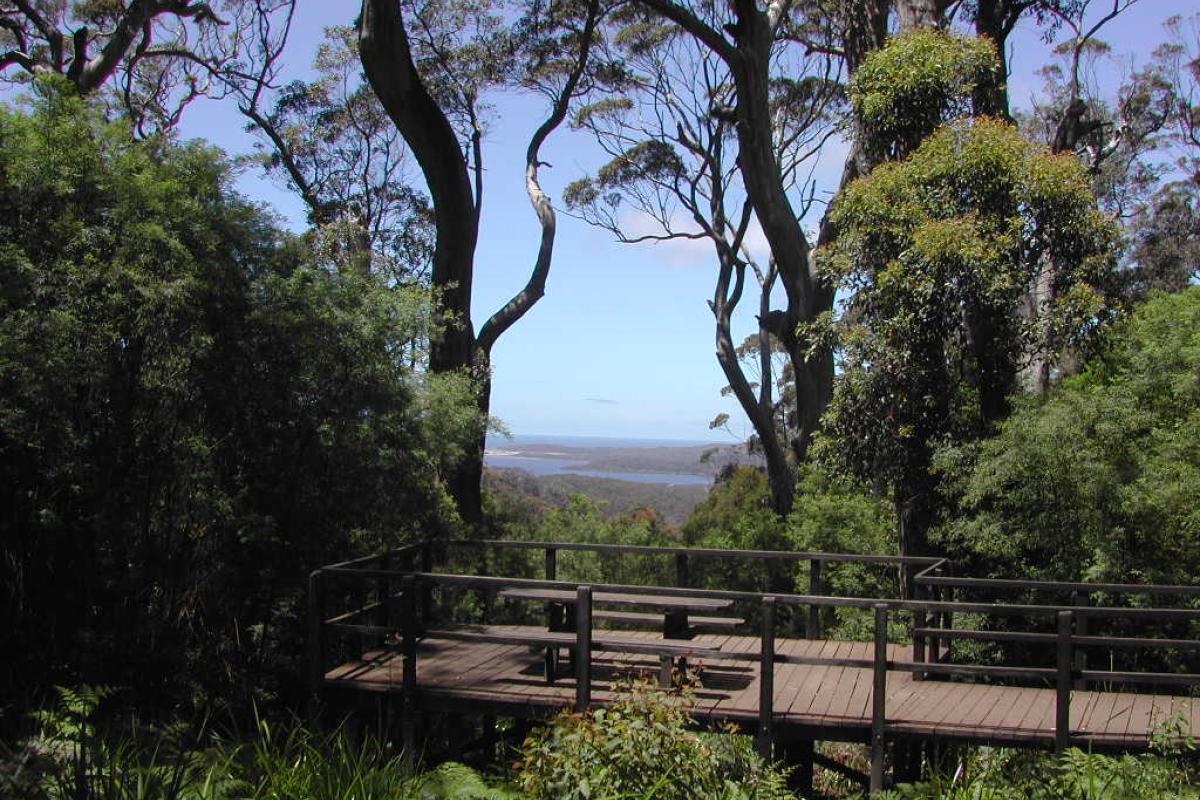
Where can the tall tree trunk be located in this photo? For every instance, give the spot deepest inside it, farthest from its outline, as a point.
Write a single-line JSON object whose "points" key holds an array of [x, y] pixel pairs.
{"points": [[388, 64], [995, 19]]}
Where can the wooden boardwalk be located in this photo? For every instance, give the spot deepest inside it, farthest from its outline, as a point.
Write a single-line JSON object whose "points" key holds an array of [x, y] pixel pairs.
{"points": [[821, 701]]}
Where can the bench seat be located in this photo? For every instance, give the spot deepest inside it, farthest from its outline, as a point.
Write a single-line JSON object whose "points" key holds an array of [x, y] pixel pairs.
{"points": [[670, 648], [656, 619]]}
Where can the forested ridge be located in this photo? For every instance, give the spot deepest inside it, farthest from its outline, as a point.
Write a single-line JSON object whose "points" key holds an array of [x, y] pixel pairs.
{"points": [[981, 341]]}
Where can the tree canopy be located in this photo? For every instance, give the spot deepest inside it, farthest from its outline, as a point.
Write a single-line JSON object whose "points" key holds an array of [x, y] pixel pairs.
{"points": [[193, 412]]}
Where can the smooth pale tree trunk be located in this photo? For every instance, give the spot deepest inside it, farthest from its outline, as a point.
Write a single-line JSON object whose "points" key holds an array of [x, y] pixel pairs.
{"points": [[387, 61]]}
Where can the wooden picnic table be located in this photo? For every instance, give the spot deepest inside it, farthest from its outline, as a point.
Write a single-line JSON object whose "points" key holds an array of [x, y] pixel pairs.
{"points": [[675, 612], [663, 601]]}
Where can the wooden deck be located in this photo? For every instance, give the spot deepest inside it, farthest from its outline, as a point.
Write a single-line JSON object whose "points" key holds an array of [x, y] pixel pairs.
{"points": [[829, 702]]}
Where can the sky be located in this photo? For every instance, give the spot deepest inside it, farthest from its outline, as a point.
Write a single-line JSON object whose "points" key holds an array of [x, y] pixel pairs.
{"points": [[622, 345]]}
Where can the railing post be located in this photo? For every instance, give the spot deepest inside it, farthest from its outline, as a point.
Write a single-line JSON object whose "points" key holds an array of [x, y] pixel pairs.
{"points": [[486, 594], [554, 616], [813, 629], [583, 648], [427, 589], [385, 592], [316, 634], [935, 643], [682, 574], [1081, 625], [410, 625], [918, 639], [766, 681], [879, 697], [1062, 695]]}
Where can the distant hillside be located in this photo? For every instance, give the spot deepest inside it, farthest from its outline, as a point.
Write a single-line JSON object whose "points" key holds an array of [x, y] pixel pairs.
{"points": [[674, 503], [704, 460]]}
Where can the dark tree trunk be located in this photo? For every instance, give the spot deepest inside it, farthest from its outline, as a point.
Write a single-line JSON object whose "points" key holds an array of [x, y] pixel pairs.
{"points": [[995, 19], [387, 61]]}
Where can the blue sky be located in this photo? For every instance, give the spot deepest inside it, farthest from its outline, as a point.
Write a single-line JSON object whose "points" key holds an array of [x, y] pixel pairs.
{"points": [[622, 343]]}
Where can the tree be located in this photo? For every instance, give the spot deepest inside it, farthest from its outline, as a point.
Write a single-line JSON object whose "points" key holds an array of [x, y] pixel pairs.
{"points": [[1096, 481], [725, 109], [331, 142], [1166, 229], [434, 78], [664, 117], [193, 414], [148, 57], [954, 234]]}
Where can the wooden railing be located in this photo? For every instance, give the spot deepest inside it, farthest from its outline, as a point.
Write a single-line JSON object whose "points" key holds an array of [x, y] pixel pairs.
{"points": [[391, 598]]}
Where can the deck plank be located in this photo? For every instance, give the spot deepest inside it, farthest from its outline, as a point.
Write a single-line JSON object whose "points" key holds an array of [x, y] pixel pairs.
{"points": [[835, 700]]}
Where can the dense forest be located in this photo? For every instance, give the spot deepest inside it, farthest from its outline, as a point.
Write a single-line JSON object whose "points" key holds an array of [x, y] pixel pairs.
{"points": [[983, 342]]}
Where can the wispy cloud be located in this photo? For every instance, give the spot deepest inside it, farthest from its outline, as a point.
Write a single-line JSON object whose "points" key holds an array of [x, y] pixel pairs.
{"points": [[602, 400]]}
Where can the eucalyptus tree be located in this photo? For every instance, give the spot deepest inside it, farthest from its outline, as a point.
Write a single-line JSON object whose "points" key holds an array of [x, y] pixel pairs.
{"points": [[719, 114], [331, 142], [665, 117], [431, 65], [936, 251], [149, 57]]}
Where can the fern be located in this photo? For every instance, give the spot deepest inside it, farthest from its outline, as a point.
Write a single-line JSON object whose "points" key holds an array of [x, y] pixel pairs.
{"points": [[453, 781]]}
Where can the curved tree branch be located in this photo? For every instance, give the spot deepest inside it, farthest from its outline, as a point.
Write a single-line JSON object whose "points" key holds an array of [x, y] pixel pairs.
{"points": [[535, 288]]}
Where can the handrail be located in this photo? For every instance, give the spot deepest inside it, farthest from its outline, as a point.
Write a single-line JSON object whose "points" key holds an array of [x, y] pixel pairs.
{"points": [[1069, 636], [1059, 586], [995, 609], [703, 552]]}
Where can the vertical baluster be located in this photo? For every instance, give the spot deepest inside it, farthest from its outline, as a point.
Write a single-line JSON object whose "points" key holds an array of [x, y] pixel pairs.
{"points": [[1062, 695], [766, 681], [1081, 628], [583, 648], [879, 697], [316, 634], [813, 628], [410, 626]]}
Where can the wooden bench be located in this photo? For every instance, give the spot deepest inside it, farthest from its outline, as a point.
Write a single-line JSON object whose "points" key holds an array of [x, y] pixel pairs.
{"points": [[674, 616], [642, 617], [666, 651]]}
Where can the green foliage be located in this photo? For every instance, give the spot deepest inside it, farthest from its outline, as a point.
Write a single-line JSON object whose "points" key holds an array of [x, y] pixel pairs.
{"points": [[581, 520], [76, 755], [1076, 775], [919, 80], [640, 747], [737, 515], [939, 251], [1100, 480], [192, 416], [838, 516]]}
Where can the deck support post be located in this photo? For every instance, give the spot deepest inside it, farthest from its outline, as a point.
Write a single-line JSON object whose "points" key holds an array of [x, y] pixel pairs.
{"points": [[583, 648], [879, 698], [408, 648], [316, 638], [798, 754], [1062, 694], [908, 761], [551, 563], [812, 629], [766, 682]]}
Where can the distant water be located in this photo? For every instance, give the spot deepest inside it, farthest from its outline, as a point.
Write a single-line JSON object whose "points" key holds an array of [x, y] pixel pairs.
{"points": [[517, 440], [505, 459]]}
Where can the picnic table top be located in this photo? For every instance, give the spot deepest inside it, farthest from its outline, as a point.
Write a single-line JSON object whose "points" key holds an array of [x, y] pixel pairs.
{"points": [[667, 602]]}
